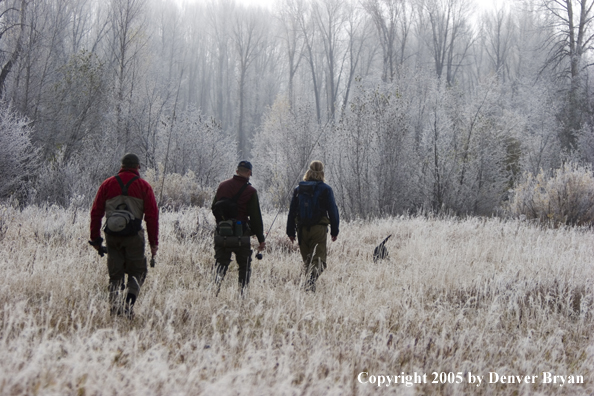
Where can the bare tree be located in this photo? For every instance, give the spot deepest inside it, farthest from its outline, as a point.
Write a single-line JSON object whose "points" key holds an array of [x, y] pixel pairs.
{"points": [[392, 24], [450, 37], [8, 24], [128, 38], [200, 60], [293, 37], [48, 29], [78, 106], [357, 33], [330, 18], [499, 33], [249, 33], [220, 31], [570, 22], [308, 27]]}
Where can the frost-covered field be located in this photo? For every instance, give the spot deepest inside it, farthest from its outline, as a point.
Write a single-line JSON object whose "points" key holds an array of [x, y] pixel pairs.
{"points": [[473, 296]]}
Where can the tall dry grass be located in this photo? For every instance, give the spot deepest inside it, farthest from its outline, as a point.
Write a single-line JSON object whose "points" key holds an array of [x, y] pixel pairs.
{"points": [[476, 295]]}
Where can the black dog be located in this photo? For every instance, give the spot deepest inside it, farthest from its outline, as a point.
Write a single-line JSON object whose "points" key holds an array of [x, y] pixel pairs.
{"points": [[381, 252]]}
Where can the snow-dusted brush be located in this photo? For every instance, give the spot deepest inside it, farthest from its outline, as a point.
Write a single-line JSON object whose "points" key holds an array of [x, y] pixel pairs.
{"points": [[458, 302]]}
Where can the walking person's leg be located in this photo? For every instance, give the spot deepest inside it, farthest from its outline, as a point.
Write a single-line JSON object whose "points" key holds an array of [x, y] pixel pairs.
{"points": [[222, 261], [313, 251], [116, 268], [136, 268], [243, 256]]}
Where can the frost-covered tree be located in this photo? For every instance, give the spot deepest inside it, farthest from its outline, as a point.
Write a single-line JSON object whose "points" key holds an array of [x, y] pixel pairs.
{"points": [[199, 145], [19, 159], [285, 145], [372, 150], [463, 148], [76, 113], [537, 106], [355, 161]]}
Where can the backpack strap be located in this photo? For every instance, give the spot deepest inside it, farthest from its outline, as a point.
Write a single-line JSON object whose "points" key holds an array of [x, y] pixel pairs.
{"points": [[125, 187], [241, 190]]}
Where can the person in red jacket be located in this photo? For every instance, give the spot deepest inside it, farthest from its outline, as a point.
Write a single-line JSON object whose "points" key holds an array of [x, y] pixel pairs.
{"points": [[125, 199]]}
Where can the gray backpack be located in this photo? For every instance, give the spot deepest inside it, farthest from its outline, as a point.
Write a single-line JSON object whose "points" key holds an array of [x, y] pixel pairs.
{"points": [[122, 221]]}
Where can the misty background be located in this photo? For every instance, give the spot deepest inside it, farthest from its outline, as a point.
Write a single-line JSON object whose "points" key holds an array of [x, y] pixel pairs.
{"points": [[412, 104]]}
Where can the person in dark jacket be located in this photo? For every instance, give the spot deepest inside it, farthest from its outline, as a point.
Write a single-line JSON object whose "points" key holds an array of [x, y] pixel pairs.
{"points": [[250, 216], [312, 236], [125, 246]]}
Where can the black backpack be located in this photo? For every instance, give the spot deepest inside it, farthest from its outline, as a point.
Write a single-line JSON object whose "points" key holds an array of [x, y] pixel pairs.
{"points": [[226, 208], [309, 205], [122, 221]]}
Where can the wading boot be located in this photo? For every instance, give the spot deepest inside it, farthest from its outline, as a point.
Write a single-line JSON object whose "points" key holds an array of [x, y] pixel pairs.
{"points": [[129, 306], [116, 299]]}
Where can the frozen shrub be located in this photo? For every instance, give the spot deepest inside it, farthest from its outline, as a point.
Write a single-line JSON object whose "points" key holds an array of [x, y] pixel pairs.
{"points": [[176, 191], [563, 198], [18, 156], [74, 181]]}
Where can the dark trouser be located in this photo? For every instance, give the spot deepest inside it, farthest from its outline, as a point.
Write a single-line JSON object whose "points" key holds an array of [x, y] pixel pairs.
{"points": [[312, 244], [125, 255], [243, 256]]}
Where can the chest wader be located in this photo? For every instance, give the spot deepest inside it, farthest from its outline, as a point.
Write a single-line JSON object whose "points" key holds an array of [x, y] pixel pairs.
{"points": [[125, 256], [233, 236], [312, 245]]}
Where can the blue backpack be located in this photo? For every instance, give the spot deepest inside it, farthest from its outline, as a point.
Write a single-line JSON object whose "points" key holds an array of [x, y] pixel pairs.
{"points": [[309, 208]]}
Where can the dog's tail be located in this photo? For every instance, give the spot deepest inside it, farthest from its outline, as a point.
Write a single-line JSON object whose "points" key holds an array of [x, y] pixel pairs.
{"points": [[385, 240]]}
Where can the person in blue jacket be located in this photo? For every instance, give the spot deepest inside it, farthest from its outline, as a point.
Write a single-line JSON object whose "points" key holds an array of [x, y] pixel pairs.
{"points": [[312, 209]]}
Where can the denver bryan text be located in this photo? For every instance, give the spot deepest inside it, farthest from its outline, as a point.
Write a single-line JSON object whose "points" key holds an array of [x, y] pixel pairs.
{"points": [[546, 378]]}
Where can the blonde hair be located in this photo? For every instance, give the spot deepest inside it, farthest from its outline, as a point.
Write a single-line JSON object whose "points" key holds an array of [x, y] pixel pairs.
{"points": [[315, 171]]}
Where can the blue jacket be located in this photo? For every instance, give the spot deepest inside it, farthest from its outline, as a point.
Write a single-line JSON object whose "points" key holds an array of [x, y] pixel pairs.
{"points": [[326, 204]]}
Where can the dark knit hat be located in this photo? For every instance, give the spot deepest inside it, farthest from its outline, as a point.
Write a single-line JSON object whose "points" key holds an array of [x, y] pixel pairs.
{"points": [[245, 164], [130, 160]]}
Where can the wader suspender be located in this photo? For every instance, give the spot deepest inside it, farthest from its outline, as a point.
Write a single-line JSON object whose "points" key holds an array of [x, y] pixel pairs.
{"points": [[125, 187]]}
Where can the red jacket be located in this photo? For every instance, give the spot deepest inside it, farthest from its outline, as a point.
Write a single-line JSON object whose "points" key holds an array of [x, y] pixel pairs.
{"points": [[138, 189]]}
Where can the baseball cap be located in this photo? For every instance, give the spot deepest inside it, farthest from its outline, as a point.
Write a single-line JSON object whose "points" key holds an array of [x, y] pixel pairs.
{"points": [[245, 164]]}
